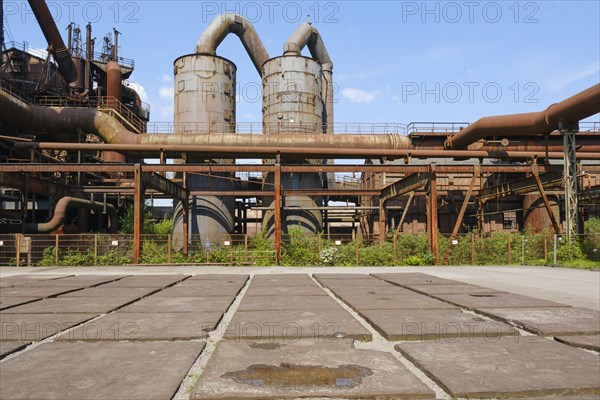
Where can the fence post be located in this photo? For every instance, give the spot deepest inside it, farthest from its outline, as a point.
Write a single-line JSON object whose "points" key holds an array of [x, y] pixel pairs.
{"points": [[246, 248], [356, 248], [555, 240], [169, 249], [545, 249], [18, 249], [509, 248], [523, 250], [319, 255], [472, 249], [394, 257], [95, 250], [56, 250]]}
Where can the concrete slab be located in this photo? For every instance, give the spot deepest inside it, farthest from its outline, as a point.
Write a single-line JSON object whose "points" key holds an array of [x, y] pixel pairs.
{"points": [[80, 281], [155, 304], [341, 276], [8, 302], [102, 291], [117, 370], [291, 325], [496, 300], [259, 303], [394, 302], [285, 291], [146, 327], [284, 370], [283, 280], [590, 342], [551, 321], [235, 277], [41, 292], [505, 367], [7, 348], [371, 290], [37, 327], [414, 279], [433, 324], [195, 291], [147, 281], [200, 283], [451, 289], [25, 279], [70, 305], [331, 283]]}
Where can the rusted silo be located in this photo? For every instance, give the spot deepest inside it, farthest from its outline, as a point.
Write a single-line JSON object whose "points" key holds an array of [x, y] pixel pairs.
{"points": [[535, 216], [205, 102], [293, 103]]}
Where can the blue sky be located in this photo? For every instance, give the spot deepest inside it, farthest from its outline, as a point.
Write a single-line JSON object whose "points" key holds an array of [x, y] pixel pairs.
{"points": [[393, 61]]}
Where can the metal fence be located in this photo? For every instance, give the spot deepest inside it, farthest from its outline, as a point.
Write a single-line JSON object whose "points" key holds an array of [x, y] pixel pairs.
{"points": [[298, 250]]}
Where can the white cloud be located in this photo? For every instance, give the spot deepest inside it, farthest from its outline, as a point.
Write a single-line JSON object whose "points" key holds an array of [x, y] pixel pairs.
{"points": [[249, 116], [359, 96], [445, 53], [567, 77], [166, 92], [166, 78]]}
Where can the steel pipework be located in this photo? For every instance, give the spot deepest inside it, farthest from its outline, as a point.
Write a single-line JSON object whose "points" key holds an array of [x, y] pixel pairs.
{"points": [[61, 54], [60, 212], [228, 23], [571, 110]]}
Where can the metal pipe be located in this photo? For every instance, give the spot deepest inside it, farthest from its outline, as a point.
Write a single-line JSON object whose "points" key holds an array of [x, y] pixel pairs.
{"points": [[245, 151], [60, 211], [571, 110], [57, 45], [228, 23]]}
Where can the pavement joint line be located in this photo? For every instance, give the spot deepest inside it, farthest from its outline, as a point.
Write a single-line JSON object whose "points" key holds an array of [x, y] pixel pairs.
{"points": [[71, 329], [212, 340], [379, 343]]}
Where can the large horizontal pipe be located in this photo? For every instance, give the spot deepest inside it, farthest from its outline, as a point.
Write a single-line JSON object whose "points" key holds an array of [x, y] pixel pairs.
{"points": [[55, 42], [571, 110], [257, 152], [60, 211], [228, 23]]}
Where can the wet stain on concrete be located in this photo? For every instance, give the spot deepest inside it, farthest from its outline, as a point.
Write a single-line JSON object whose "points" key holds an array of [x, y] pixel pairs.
{"points": [[265, 346], [287, 376]]}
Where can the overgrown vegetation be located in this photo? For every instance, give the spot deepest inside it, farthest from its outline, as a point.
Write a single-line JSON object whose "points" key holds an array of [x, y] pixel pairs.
{"points": [[300, 249]]}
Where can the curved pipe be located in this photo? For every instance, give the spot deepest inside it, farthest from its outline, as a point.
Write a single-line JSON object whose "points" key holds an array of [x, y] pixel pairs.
{"points": [[228, 23], [307, 35], [60, 211], [66, 66], [571, 110]]}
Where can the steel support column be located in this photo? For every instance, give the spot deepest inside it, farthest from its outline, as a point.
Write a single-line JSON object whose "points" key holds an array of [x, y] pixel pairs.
{"points": [[138, 213], [568, 132], [536, 175], [433, 214], [277, 212]]}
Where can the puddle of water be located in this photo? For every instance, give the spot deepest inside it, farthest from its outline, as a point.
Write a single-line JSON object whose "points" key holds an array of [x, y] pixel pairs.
{"points": [[483, 295], [265, 346], [300, 376]]}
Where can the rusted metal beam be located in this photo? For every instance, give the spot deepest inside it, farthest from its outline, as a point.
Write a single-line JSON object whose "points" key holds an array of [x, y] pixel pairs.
{"points": [[540, 185], [405, 185], [152, 180], [461, 214], [411, 196], [36, 185], [521, 186], [265, 168]]}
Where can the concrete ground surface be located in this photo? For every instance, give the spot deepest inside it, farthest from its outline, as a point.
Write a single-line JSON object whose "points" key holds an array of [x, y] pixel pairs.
{"points": [[289, 333]]}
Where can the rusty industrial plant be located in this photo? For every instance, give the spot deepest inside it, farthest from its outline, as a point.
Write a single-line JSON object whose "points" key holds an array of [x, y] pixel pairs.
{"points": [[72, 153]]}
